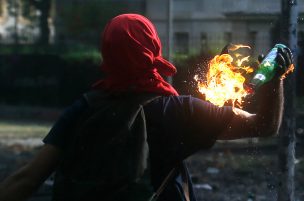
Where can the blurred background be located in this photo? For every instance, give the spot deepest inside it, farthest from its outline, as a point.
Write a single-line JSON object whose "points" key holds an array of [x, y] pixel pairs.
{"points": [[49, 56]]}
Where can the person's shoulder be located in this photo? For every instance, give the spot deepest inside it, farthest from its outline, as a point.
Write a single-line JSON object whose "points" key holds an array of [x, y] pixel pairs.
{"points": [[178, 99], [187, 103], [77, 107], [78, 104], [181, 101]]}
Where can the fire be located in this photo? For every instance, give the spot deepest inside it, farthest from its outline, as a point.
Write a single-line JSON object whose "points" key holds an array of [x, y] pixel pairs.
{"points": [[225, 79], [289, 70], [236, 47]]}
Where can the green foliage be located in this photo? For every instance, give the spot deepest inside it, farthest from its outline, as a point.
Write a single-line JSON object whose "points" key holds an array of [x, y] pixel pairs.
{"points": [[77, 53], [47, 75], [82, 53], [26, 49]]}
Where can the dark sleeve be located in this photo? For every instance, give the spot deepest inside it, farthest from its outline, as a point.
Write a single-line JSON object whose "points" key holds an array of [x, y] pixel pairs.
{"points": [[206, 122], [61, 131], [179, 126]]}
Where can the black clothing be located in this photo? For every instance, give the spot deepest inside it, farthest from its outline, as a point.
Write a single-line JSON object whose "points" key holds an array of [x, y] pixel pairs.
{"points": [[177, 127]]}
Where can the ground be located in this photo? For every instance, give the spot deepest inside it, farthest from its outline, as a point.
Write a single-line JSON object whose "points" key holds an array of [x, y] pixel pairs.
{"points": [[234, 171], [241, 173]]}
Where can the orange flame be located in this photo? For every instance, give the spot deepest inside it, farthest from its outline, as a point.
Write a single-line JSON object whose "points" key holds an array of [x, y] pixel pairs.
{"points": [[224, 79], [289, 70], [236, 47]]}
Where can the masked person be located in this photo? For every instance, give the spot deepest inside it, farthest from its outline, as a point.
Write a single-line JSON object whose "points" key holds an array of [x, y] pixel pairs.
{"points": [[98, 147]]}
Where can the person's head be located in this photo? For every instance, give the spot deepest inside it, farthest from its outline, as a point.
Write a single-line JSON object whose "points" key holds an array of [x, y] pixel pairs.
{"points": [[132, 56]]}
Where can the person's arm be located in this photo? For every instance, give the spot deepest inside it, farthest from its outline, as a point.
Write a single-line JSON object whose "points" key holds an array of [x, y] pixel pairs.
{"points": [[265, 122], [21, 184]]}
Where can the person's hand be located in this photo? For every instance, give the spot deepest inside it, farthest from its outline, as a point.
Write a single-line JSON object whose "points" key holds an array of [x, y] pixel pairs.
{"points": [[284, 59]]}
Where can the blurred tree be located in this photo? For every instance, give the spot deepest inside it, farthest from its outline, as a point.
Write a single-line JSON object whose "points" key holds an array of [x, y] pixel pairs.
{"points": [[1, 8], [13, 8], [44, 6], [82, 21], [19, 20]]}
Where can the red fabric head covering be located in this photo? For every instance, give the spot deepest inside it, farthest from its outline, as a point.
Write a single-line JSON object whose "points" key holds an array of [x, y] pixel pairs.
{"points": [[132, 57]]}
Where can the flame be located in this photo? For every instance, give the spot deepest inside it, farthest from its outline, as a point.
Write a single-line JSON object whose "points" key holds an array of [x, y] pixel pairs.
{"points": [[224, 80], [236, 47], [240, 61], [289, 70]]}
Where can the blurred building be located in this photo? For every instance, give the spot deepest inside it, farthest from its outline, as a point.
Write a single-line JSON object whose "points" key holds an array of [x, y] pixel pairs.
{"points": [[209, 25]]}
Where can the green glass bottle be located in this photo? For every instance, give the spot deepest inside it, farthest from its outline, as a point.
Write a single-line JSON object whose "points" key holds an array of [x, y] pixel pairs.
{"points": [[267, 68]]}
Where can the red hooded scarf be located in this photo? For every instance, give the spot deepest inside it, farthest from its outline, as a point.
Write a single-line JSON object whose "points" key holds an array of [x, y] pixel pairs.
{"points": [[132, 57]]}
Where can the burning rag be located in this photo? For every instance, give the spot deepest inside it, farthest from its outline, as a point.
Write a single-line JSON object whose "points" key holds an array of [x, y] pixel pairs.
{"points": [[132, 57]]}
